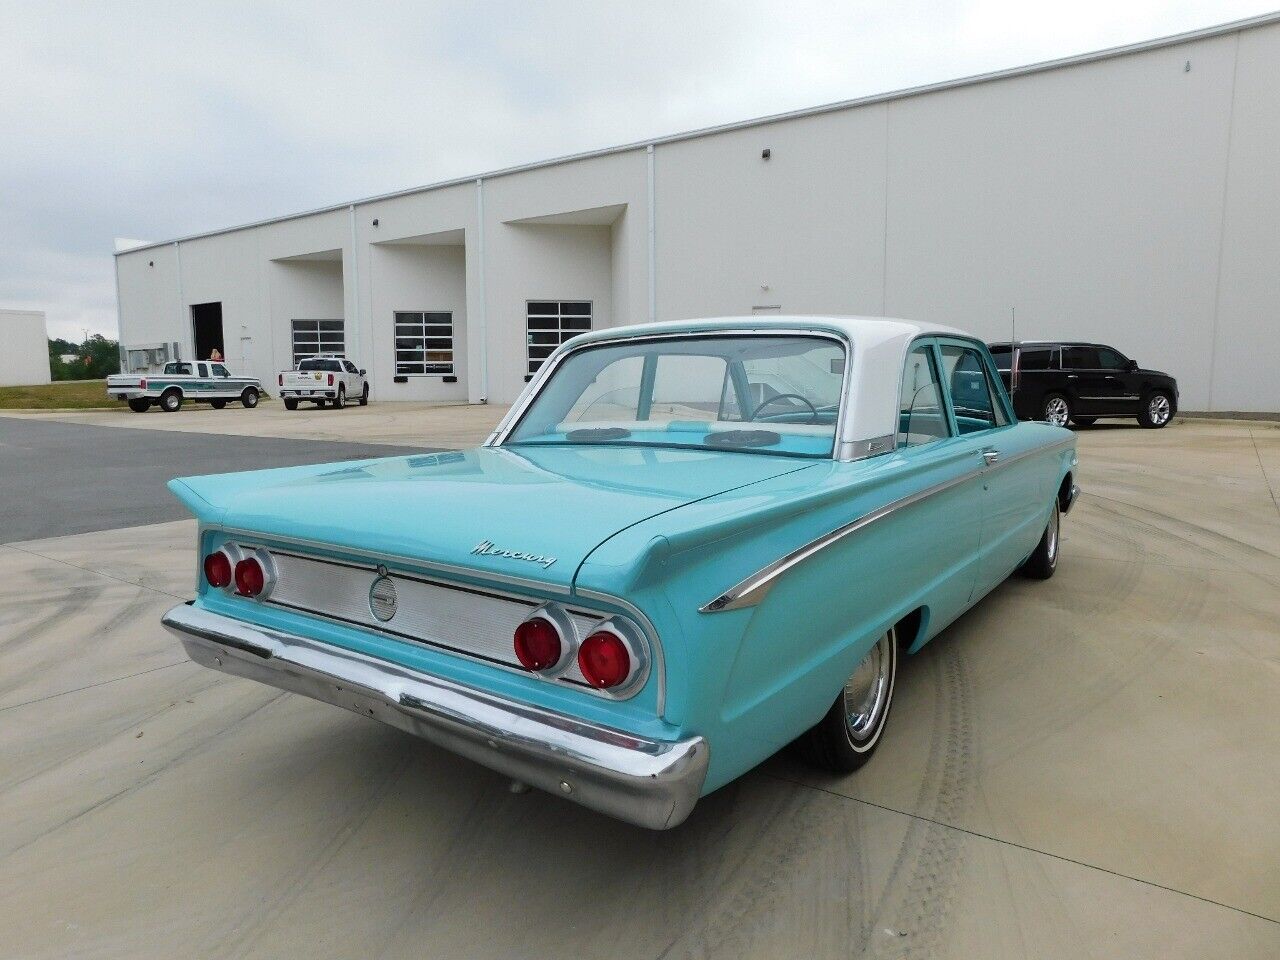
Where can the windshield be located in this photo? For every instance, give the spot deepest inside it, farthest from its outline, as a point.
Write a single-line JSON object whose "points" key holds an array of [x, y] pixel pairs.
{"points": [[763, 394]]}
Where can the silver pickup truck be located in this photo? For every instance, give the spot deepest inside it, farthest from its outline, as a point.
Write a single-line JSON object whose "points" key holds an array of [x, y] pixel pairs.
{"points": [[198, 381]]}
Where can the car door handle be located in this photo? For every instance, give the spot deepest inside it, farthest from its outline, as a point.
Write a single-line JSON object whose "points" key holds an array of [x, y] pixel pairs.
{"points": [[1072, 376], [991, 456]]}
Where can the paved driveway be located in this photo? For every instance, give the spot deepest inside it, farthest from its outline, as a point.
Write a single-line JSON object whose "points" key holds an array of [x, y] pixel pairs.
{"points": [[1086, 767], [58, 477]]}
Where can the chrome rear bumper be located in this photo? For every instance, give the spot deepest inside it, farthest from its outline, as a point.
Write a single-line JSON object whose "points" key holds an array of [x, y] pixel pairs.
{"points": [[651, 783]]}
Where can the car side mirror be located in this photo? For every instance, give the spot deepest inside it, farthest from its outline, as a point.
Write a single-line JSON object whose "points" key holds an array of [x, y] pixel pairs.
{"points": [[1133, 366], [363, 372]]}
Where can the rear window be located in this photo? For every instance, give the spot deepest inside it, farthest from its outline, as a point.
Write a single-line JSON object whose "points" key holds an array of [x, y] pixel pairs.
{"points": [[1002, 356], [306, 366]]}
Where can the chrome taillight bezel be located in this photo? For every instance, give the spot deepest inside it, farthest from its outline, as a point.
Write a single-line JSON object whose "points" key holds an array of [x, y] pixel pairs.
{"points": [[562, 623], [633, 641]]}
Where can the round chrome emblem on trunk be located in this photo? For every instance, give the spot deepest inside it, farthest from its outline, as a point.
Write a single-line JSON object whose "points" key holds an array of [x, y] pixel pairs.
{"points": [[383, 599]]}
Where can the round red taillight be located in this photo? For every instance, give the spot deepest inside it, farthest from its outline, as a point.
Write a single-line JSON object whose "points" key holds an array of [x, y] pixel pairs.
{"points": [[604, 660], [217, 569], [250, 577], [538, 645]]}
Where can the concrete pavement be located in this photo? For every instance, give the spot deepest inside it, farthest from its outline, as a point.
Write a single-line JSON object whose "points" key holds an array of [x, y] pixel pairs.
{"points": [[1085, 767]]}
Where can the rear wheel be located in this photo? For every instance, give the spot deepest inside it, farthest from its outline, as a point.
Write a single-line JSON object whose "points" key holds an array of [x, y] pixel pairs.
{"points": [[845, 738], [249, 398], [341, 400], [364, 396], [1056, 410], [171, 401], [1041, 564], [290, 404], [1156, 412], [141, 405], [217, 404]]}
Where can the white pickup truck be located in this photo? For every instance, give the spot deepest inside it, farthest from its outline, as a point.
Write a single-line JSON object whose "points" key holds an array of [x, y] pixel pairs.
{"points": [[200, 381], [321, 380]]}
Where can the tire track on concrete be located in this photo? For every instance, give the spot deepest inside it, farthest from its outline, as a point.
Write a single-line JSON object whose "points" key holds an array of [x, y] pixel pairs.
{"points": [[201, 744], [264, 914], [918, 898]]}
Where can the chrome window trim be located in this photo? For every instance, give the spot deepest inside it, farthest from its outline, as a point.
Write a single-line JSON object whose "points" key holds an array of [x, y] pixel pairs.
{"points": [[654, 660], [838, 445], [751, 590]]}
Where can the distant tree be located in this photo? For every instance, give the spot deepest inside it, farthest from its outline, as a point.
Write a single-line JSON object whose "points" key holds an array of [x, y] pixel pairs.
{"points": [[94, 359]]}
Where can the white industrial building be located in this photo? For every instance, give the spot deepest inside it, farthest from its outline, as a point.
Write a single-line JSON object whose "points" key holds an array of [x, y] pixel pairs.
{"points": [[24, 348], [1130, 196]]}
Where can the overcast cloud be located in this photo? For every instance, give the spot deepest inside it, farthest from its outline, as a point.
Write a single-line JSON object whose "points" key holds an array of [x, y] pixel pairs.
{"points": [[158, 119]]}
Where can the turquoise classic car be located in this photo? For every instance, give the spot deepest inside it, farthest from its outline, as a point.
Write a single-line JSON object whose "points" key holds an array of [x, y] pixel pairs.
{"points": [[685, 547]]}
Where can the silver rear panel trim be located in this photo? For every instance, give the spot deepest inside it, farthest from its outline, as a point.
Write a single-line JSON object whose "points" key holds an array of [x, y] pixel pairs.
{"points": [[651, 783]]}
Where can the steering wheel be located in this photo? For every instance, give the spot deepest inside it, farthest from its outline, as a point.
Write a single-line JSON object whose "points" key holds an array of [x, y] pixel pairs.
{"points": [[813, 411]]}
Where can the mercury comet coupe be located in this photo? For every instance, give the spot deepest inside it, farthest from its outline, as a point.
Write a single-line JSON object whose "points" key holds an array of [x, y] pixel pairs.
{"points": [[686, 546]]}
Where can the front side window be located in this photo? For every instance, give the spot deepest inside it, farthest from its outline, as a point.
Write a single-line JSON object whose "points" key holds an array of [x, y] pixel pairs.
{"points": [[550, 323], [767, 394], [1080, 358], [424, 343], [220, 371], [350, 367], [973, 395], [314, 337], [921, 417], [1110, 360]]}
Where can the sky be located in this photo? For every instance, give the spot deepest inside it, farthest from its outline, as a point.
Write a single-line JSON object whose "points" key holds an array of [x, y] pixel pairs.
{"points": [[154, 120]]}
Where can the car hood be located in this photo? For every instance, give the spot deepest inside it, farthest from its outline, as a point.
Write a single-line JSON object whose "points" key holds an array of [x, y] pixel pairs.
{"points": [[535, 513]]}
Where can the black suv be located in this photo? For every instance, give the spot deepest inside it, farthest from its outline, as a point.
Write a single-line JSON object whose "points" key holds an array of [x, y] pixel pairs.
{"points": [[1063, 382]]}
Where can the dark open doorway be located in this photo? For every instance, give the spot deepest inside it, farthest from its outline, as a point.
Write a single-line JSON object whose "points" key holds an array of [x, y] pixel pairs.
{"points": [[206, 319]]}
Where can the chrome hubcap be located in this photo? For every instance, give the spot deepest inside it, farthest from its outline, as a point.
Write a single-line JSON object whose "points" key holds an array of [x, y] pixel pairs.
{"points": [[1159, 409], [866, 693], [1055, 412]]}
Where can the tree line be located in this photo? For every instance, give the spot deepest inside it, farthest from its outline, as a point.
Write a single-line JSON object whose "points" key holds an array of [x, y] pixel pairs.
{"points": [[92, 360]]}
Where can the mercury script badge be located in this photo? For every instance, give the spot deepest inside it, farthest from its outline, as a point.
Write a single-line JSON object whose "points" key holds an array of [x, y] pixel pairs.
{"points": [[382, 599], [485, 548]]}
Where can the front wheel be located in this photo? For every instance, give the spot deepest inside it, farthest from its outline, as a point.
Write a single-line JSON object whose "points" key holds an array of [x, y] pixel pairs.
{"points": [[364, 396], [845, 738], [249, 398], [141, 405], [1056, 410], [1044, 560], [1156, 412]]}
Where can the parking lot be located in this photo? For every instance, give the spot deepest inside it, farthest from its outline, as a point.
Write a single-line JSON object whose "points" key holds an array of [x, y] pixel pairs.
{"points": [[1082, 767]]}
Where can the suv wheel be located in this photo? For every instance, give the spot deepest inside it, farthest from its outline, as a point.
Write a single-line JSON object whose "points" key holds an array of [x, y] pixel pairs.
{"points": [[1156, 412], [1056, 410]]}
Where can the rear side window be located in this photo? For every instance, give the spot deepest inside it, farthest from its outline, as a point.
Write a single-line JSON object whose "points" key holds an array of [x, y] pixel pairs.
{"points": [[921, 418], [1002, 356], [1036, 359], [973, 395]]}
